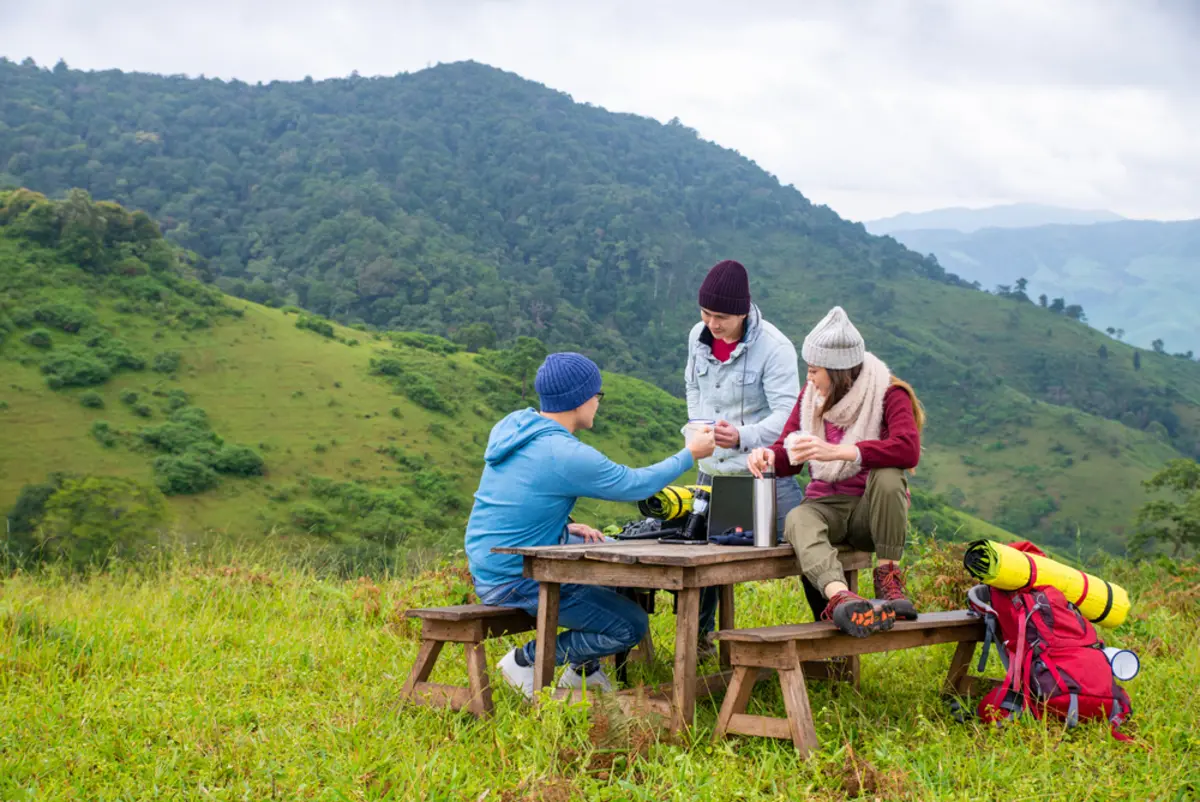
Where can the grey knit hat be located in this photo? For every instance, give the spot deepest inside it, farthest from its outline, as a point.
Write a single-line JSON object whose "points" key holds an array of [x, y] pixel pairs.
{"points": [[834, 342]]}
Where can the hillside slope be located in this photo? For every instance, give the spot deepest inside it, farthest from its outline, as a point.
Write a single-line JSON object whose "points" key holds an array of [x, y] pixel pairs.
{"points": [[371, 444], [1141, 277]]}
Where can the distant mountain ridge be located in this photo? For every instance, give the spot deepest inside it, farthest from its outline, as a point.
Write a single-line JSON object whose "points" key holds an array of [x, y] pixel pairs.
{"points": [[1012, 215], [1140, 277]]}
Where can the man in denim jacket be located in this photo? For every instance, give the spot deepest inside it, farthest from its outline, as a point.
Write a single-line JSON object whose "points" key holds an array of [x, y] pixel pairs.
{"points": [[741, 372]]}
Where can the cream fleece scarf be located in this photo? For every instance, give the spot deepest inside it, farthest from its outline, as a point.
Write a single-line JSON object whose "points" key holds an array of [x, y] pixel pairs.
{"points": [[859, 414]]}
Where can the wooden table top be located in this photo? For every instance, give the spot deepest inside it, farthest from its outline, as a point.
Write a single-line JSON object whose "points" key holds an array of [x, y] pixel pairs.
{"points": [[652, 552]]}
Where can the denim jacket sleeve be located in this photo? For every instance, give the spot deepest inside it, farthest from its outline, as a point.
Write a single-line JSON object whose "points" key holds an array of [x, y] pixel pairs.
{"points": [[781, 384]]}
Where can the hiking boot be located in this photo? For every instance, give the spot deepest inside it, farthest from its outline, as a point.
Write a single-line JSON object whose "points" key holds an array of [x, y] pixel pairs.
{"points": [[889, 586], [706, 647], [857, 616], [516, 675], [595, 680]]}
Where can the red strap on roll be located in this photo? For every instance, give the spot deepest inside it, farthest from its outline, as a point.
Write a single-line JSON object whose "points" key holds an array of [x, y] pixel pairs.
{"points": [[1032, 573], [1083, 595]]}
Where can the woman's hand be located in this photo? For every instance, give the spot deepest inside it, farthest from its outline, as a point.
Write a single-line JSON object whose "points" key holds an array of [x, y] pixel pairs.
{"points": [[759, 460], [586, 532], [814, 450]]}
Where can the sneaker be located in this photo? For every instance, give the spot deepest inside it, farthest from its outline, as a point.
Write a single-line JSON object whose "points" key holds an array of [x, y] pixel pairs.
{"points": [[889, 586], [597, 680], [516, 675], [857, 616], [706, 647]]}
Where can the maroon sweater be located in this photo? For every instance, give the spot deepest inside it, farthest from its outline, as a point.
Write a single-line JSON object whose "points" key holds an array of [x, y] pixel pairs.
{"points": [[898, 446]]}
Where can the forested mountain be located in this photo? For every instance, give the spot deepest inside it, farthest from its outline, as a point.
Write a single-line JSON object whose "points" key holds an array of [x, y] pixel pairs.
{"points": [[1010, 215], [125, 378], [1139, 277], [462, 195]]}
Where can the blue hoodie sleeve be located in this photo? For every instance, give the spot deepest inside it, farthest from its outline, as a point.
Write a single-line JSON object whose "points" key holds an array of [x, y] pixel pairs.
{"points": [[584, 471]]}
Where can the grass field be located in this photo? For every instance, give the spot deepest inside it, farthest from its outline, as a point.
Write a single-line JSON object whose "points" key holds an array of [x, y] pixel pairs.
{"points": [[235, 678]]}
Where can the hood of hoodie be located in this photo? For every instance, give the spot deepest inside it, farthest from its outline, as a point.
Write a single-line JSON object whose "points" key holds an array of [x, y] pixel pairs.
{"points": [[515, 431]]}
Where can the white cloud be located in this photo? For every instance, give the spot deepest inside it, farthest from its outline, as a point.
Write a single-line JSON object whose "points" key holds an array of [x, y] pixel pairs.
{"points": [[873, 107]]}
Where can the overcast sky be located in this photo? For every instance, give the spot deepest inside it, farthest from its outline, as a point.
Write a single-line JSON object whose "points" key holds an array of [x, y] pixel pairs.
{"points": [[871, 106]]}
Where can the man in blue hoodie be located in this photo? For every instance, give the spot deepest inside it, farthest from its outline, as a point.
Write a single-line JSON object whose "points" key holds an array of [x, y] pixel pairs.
{"points": [[535, 471]]}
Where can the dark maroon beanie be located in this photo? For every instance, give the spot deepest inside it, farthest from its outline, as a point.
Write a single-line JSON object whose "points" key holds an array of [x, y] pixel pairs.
{"points": [[726, 289]]}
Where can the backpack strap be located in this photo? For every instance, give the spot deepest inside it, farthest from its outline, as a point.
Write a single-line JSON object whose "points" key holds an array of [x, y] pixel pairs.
{"points": [[1073, 712], [990, 637]]}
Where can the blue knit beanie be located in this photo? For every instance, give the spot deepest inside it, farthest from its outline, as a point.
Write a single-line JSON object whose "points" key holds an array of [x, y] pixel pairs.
{"points": [[566, 381]]}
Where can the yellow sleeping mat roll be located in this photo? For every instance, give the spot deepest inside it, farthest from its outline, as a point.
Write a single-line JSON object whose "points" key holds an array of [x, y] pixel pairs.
{"points": [[1006, 568], [673, 501]]}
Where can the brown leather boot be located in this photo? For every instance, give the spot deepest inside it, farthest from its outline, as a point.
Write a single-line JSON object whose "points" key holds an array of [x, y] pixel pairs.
{"points": [[889, 586], [857, 616]]}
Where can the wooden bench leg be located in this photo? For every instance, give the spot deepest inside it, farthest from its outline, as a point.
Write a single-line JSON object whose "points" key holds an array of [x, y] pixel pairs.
{"points": [[725, 621], [423, 667], [799, 713], [852, 669], [957, 681], [737, 697], [477, 677]]}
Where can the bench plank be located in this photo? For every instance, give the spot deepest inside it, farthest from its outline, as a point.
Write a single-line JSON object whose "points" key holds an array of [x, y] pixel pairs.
{"points": [[825, 629], [461, 612]]}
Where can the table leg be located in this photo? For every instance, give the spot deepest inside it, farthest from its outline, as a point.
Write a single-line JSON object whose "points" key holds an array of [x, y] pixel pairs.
{"points": [[726, 621], [687, 631], [547, 635]]}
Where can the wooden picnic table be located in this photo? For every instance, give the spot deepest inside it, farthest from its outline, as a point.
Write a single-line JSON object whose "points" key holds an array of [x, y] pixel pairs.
{"points": [[686, 569]]}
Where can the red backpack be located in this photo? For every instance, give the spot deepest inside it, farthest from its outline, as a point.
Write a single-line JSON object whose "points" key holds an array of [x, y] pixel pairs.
{"points": [[1055, 661]]}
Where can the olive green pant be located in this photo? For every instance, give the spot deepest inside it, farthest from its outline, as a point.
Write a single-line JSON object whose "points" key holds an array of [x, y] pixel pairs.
{"points": [[876, 521]]}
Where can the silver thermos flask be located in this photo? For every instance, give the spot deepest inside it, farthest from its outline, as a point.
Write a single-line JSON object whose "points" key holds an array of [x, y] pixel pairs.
{"points": [[764, 509]]}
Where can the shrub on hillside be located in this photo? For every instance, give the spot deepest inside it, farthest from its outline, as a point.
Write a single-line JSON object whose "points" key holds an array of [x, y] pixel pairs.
{"points": [[422, 391], [73, 367], [177, 399], [426, 342], [39, 338], [387, 366], [183, 474], [166, 362], [92, 400], [103, 432], [129, 397], [192, 416], [20, 543], [382, 527], [64, 316], [175, 437], [322, 327], [313, 519], [143, 411], [114, 353], [238, 461], [92, 519]]}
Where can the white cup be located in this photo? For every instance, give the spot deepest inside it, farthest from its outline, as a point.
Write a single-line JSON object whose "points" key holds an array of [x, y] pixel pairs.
{"points": [[697, 426], [792, 441], [1124, 663]]}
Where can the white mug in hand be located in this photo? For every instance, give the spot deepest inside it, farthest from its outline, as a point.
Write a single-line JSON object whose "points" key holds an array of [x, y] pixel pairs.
{"points": [[792, 442], [697, 426]]}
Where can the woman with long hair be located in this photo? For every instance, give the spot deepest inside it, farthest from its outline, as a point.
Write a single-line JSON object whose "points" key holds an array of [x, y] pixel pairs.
{"points": [[858, 428]]}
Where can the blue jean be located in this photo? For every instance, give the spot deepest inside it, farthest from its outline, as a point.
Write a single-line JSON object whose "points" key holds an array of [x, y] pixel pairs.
{"points": [[599, 621], [788, 495]]}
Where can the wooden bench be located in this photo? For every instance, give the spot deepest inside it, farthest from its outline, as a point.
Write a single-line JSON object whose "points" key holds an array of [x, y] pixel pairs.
{"points": [[790, 649], [470, 625]]}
